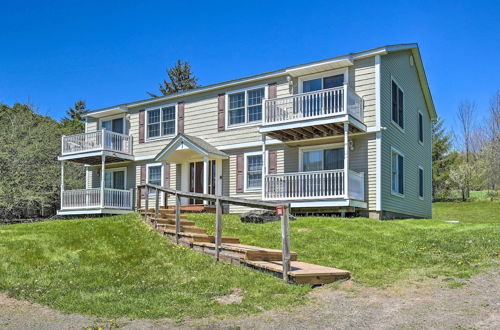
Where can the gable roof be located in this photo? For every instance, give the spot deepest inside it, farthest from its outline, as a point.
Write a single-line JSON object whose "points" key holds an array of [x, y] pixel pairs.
{"points": [[183, 141], [321, 65]]}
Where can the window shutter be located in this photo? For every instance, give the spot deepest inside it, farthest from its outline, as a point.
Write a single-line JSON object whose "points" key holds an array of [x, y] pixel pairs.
{"points": [[221, 112], [180, 117], [394, 102], [141, 126], [400, 175], [240, 172], [166, 175], [273, 162], [401, 110], [272, 90], [143, 179]]}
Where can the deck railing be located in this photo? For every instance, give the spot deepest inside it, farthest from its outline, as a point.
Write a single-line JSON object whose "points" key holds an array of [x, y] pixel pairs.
{"points": [[313, 185], [96, 141], [91, 199], [317, 104]]}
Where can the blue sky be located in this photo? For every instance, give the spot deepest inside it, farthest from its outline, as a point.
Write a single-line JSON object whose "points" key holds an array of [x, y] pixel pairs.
{"points": [[110, 52]]}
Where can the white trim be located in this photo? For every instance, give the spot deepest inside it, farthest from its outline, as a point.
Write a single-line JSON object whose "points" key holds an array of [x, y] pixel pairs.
{"points": [[108, 118], [339, 145], [244, 90], [395, 193], [328, 203], [248, 144], [419, 113], [420, 167], [118, 169], [161, 178], [402, 129], [94, 211], [319, 120], [313, 76], [161, 136], [245, 174], [126, 158], [378, 171], [378, 106]]}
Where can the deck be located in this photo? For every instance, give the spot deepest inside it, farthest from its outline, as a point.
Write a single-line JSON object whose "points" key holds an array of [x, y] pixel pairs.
{"points": [[233, 252]]}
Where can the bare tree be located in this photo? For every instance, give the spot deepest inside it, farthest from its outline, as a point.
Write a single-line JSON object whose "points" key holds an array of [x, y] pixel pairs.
{"points": [[466, 113]]}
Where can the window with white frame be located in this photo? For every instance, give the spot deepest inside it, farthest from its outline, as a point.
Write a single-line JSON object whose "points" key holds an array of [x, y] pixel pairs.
{"points": [[253, 169], [397, 97], [114, 179], [323, 159], [154, 175], [420, 182], [161, 122], [397, 173], [245, 106], [420, 127]]}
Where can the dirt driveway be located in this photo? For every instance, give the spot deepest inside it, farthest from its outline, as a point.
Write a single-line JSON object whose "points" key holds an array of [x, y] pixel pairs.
{"points": [[434, 304]]}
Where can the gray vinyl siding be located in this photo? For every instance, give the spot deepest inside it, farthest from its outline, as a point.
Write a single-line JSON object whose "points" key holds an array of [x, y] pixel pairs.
{"points": [[362, 80], [397, 65], [95, 174]]}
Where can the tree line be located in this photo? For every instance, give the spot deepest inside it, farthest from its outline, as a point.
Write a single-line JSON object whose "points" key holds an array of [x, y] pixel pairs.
{"points": [[469, 158]]}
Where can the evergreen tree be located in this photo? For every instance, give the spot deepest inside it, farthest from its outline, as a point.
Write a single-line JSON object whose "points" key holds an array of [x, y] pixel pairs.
{"points": [[77, 111], [73, 123], [442, 159], [181, 79]]}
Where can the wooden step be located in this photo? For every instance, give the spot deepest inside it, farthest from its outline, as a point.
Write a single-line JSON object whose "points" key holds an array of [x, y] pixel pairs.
{"points": [[172, 222], [184, 234], [166, 217], [211, 239], [263, 255], [189, 229], [302, 272]]}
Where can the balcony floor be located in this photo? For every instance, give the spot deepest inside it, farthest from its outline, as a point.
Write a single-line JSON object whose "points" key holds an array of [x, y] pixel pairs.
{"points": [[85, 211], [94, 158]]}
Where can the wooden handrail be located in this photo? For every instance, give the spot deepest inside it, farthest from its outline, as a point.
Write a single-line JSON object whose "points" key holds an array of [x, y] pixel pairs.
{"points": [[285, 231]]}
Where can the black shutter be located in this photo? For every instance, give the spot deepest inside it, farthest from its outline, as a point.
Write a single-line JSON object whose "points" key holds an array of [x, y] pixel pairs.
{"points": [[394, 102], [400, 105], [420, 127], [420, 182]]}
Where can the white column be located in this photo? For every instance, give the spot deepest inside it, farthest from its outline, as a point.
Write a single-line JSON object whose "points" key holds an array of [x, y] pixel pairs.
{"points": [[103, 161], [205, 177], [62, 183], [264, 164], [346, 160], [218, 177]]}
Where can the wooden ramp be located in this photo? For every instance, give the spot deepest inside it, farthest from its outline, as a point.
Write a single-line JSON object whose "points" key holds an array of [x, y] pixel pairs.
{"points": [[232, 251]]}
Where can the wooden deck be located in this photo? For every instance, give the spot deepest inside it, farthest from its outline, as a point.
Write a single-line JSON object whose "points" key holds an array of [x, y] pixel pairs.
{"points": [[233, 252]]}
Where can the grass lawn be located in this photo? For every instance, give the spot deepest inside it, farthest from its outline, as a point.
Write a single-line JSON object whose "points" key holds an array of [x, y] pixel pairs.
{"points": [[380, 253], [119, 267]]}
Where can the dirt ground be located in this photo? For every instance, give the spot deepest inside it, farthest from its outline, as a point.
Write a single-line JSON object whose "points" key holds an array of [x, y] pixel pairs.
{"points": [[436, 304]]}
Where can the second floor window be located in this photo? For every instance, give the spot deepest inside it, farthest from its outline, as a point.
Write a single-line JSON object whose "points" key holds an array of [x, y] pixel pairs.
{"points": [[161, 122], [397, 105], [420, 128], [245, 107]]}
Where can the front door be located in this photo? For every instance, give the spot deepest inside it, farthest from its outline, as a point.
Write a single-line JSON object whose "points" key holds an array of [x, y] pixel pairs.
{"points": [[196, 179]]}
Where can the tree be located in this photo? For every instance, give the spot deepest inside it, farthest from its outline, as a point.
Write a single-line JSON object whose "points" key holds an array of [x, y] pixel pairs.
{"points": [[73, 123], [181, 79], [465, 176], [466, 113], [77, 111], [489, 155], [442, 159]]}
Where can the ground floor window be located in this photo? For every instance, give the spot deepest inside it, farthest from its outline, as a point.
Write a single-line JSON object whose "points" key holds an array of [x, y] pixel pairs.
{"points": [[114, 179], [253, 170], [154, 175], [323, 160], [420, 182], [397, 172]]}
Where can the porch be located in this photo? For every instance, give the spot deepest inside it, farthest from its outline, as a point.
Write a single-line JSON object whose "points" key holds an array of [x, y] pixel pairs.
{"points": [[96, 201]]}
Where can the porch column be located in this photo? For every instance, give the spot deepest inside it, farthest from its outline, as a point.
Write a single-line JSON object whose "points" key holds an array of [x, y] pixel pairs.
{"points": [[62, 183], [103, 161], [205, 177], [218, 177], [346, 160], [264, 165]]}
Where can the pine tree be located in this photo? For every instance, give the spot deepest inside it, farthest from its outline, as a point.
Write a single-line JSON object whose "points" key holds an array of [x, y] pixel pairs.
{"points": [[442, 159], [78, 111], [181, 79]]}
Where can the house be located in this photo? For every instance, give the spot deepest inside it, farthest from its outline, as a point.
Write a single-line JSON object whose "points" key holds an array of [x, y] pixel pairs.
{"points": [[350, 133]]}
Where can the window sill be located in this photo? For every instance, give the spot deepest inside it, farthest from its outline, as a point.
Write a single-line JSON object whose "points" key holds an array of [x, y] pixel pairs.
{"points": [[421, 143], [402, 130], [421, 198], [253, 190], [165, 137], [231, 127], [397, 194]]}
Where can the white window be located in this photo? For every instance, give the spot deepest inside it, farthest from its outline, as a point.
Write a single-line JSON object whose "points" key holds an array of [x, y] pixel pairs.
{"points": [[161, 122], [116, 125], [323, 159], [420, 127], [397, 97], [253, 171], [154, 175], [115, 178], [421, 182], [245, 106], [397, 172]]}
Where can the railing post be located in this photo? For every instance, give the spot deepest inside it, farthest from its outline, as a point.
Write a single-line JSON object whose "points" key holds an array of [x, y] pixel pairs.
{"points": [[345, 98], [146, 202], [138, 199], [103, 144], [62, 184], [103, 173], [218, 227], [157, 207], [285, 242], [177, 217], [264, 165], [346, 160]]}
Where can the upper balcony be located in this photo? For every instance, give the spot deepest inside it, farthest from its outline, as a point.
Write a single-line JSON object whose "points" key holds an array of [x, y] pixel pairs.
{"points": [[315, 114], [89, 147]]}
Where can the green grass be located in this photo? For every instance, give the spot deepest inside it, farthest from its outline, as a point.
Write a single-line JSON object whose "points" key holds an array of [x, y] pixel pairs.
{"points": [[119, 267], [380, 253]]}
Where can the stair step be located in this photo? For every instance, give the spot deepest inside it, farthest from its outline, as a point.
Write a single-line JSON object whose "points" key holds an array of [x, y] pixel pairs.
{"points": [[263, 255], [211, 239], [184, 234], [189, 229], [172, 222]]}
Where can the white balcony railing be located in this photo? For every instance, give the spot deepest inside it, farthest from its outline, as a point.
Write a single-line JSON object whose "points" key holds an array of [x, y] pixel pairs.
{"points": [[313, 185], [101, 140], [317, 104], [91, 199]]}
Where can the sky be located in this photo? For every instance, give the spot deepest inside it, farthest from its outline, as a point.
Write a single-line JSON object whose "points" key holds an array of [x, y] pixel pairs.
{"points": [[110, 52]]}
